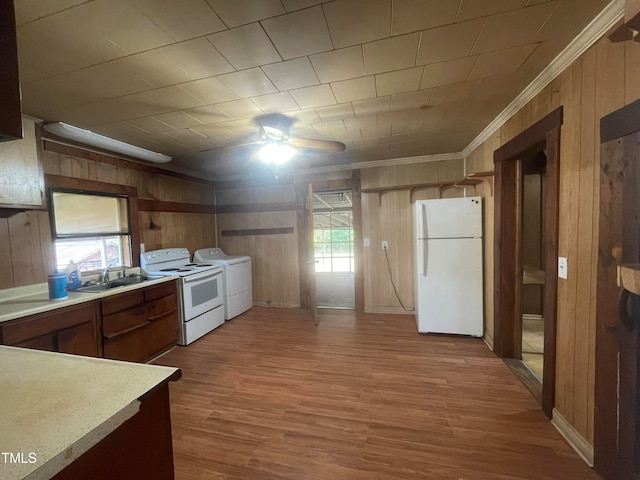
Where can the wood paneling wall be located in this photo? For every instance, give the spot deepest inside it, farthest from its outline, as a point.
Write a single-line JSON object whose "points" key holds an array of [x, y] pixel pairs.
{"points": [[392, 220], [602, 80], [274, 257], [27, 236]]}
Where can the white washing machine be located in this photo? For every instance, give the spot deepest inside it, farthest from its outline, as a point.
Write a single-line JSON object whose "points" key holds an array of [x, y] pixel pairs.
{"points": [[238, 294]]}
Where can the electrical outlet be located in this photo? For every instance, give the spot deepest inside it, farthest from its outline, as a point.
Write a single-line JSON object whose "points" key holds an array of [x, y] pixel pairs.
{"points": [[367, 242], [385, 245], [562, 267], [142, 248]]}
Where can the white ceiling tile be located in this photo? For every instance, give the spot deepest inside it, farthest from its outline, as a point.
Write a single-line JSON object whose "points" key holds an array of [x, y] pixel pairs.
{"points": [[123, 25], [403, 101], [212, 131], [248, 83], [154, 68], [275, 102], [400, 116], [376, 132], [406, 127], [361, 122], [445, 73], [241, 12], [208, 114], [181, 20], [106, 111], [355, 89], [291, 5], [291, 74], [400, 81], [28, 11], [177, 120], [299, 33], [501, 61], [209, 90], [335, 112], [149, 124], [580, 12], [245, 47], [311, 97], [301, 130], [329, 127], [474, 9], [161, 100], [449, 42], [242, 108], [358, 21], [517, 27], [412, 15], [308, 116], [373, 106], [339, 64], [545, 52], [197, 57], [391, 54], [452, 93], [347, 135]]}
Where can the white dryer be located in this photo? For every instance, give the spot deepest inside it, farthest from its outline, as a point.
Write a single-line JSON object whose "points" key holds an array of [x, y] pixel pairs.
{"points": [[238, 294]]}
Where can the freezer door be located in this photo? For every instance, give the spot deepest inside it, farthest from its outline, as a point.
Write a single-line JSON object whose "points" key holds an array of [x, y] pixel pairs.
{"points": [[449, 218], [449, 281]]}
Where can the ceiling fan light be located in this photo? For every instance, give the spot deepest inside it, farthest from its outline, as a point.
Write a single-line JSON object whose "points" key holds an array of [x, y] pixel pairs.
{"points": [[276, 153]]}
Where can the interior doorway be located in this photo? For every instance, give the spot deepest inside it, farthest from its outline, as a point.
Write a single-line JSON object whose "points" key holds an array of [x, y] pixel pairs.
{"points": [[532, 259], [334, 249], [537, 145]]}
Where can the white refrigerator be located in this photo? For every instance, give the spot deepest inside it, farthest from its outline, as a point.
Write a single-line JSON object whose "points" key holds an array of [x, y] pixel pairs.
{"points": [[448, 266]]}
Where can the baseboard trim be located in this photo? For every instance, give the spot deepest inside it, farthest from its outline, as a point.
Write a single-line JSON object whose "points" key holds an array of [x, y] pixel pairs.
{"points": [[390, 310], [486, 341], [582, 447], [531, 316]]}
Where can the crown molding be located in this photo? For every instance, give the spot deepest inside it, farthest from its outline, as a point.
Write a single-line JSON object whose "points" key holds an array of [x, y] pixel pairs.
{"points": [[611, 14], [389, 162]]}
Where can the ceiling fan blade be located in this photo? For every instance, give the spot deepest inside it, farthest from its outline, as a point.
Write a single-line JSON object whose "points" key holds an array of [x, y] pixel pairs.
{"points": [[329, 145]]}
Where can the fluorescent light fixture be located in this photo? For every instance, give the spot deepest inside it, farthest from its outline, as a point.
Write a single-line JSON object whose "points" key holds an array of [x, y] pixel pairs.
{"points": [[70, 132], [276, 153]]}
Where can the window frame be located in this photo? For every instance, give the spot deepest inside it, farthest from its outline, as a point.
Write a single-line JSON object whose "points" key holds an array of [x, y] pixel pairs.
{"points": [[57, 183], [351, 241]]}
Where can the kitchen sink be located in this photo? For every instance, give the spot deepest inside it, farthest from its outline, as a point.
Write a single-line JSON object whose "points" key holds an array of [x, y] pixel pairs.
{"points": [[120, 282]]}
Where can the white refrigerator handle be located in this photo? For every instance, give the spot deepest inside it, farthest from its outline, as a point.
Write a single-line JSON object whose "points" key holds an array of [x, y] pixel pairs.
{"points": [[425, 236]]}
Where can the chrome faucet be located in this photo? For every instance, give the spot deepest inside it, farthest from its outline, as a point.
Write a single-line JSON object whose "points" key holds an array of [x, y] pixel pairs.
{"points": [[105, 274]]}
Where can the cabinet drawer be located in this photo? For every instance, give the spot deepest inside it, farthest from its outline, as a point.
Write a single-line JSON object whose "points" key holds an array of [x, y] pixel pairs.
{"points": [[162, 307], [122, 301], [160, 290], [44, 323], [123, 322]]}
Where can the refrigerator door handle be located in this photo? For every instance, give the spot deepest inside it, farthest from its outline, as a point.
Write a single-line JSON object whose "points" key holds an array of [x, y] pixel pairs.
{"points": [[425, 254], [423, 211]]}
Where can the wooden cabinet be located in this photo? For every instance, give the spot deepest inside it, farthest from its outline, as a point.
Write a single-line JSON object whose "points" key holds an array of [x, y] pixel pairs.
{"points": [[141, 324], [21, 174], [66, 330], [10, 125]]}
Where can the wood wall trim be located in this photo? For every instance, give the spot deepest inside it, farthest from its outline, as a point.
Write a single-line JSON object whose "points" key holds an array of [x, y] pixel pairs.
{"points": [[543, 136], [620, 123], [573, 437], [58, 181], [147, 205], [356, 209], [530, 140], [256, 208], [257, 231], [50, 144]]}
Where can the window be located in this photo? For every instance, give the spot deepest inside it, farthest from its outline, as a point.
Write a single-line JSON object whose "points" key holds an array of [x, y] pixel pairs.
{"points": [[333, 241], [90, 228]]}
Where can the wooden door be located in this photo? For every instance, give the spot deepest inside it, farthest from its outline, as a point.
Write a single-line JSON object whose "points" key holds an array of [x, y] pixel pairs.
{"points": [[311, 262]]}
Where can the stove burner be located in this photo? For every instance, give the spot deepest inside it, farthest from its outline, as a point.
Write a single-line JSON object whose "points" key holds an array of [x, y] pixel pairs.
{"points": [[182, 270], [190, 265], [203, 265], [170, 270]]}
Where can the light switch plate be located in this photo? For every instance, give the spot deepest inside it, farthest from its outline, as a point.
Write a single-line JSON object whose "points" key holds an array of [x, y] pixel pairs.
{"points": [[367, 242], [562, 267]]}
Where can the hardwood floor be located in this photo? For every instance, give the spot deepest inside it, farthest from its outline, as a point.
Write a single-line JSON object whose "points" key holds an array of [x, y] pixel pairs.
{"points": [[269, 396]]}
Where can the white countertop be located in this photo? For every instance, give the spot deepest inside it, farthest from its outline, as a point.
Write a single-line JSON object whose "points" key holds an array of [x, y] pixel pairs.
{"points": [[57, 406], [23, 301]]}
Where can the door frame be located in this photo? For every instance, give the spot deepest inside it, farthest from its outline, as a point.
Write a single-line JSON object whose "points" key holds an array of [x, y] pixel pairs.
{"points": [[542, 136], [352, 183]]}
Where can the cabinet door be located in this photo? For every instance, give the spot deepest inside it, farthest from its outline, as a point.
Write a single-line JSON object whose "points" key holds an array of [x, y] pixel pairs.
{"points": [[23, 180], [80, 340], [43, 342], [10, 126]]}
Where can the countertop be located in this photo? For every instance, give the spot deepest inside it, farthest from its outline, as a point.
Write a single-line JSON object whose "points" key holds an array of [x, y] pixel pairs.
{"points": [[23, 301], [57, 406]]}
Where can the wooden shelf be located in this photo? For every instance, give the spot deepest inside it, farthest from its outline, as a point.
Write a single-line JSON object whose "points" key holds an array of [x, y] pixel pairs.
{"points": [[470, 180]]}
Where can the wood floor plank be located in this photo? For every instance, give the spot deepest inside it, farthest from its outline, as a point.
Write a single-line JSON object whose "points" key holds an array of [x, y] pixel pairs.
{"points": [[270, 396]]}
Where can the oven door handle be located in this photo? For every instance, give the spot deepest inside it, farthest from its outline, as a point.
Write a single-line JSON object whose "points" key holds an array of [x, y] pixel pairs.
{"points": [[198, 278]]}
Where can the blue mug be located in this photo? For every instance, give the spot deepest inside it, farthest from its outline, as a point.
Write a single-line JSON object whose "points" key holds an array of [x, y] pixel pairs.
{"points": [[57, 285]]}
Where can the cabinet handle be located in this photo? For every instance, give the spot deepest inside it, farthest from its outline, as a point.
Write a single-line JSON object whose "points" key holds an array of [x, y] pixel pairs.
{"points": [[161, 315], [127, 330]]}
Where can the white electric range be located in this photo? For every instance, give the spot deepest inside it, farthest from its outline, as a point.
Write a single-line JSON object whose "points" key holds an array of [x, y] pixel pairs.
{"points": [[200, 290]]}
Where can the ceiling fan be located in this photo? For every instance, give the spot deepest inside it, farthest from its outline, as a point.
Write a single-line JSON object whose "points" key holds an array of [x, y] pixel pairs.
{"points": [[277, 144]]}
